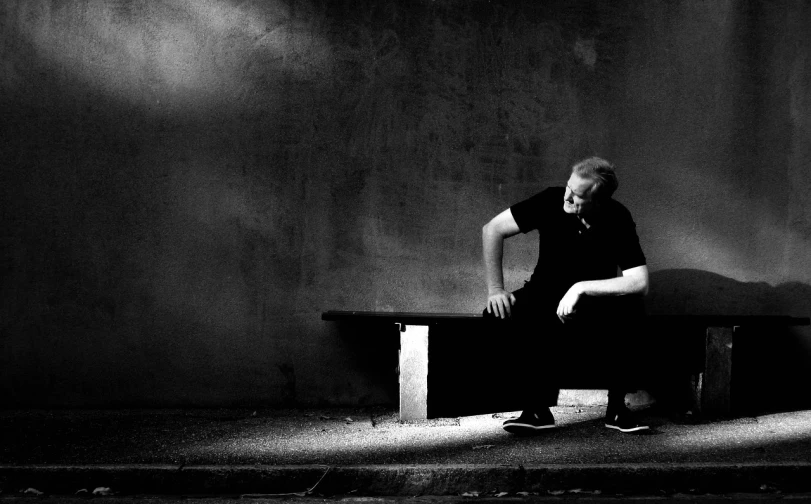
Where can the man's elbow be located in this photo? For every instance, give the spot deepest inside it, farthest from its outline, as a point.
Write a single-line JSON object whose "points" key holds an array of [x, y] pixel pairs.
{"points": [[643, 285], [640, 283], [489, 229]]}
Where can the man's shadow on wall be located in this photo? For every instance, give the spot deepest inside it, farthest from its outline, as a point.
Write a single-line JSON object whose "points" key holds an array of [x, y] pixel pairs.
{"points": [[770, 368]]}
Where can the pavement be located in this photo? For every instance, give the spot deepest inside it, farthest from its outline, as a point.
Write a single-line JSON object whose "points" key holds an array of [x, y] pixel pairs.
{"points": [[367, 451]]}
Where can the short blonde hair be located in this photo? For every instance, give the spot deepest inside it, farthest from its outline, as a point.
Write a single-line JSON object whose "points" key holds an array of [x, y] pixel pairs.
{"points": [[601, 172]]}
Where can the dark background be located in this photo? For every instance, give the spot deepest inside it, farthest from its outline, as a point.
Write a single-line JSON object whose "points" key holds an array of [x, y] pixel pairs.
{"points": [[186, 185]]}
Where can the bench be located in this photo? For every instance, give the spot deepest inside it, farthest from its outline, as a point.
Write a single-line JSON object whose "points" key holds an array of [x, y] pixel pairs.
{"points": [[711, 384]]}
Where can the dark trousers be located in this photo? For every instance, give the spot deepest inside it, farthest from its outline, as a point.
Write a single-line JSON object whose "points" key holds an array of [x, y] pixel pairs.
{"points": [[544, 349]]}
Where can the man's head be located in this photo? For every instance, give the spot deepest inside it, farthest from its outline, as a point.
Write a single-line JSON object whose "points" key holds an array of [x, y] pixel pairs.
{"points": [[592, 181]]}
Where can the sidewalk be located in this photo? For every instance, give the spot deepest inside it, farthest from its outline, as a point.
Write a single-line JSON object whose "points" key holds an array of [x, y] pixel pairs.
{"points": [[368, 452]]}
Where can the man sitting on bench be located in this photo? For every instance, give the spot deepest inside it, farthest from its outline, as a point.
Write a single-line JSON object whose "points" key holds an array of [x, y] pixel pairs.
{"points": [[575, 301]]}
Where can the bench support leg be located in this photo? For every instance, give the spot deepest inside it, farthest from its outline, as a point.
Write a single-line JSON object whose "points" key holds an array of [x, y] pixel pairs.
{"points": [[414, 373], [715, 385]]}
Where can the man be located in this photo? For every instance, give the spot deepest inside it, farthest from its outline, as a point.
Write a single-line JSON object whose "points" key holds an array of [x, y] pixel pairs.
{"points": [[584, 295]]}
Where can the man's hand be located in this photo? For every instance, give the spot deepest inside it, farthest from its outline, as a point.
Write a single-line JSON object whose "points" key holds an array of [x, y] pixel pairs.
{"points": [[566, 307], [500, 303]]}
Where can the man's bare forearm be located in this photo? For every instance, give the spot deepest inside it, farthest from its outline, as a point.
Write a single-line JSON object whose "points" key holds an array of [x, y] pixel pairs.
{"points": [[493, 251], [503, 225]]}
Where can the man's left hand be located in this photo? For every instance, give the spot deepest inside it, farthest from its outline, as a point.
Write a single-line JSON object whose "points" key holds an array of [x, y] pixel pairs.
{"points": [[566, 307]]}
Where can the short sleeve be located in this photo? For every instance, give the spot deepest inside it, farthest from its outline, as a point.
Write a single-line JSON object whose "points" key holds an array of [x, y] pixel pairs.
{"points": [[629, 251], [529, 213]]}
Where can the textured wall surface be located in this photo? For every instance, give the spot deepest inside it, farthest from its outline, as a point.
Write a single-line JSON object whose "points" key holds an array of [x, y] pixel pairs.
{"points": [[187, 184]]}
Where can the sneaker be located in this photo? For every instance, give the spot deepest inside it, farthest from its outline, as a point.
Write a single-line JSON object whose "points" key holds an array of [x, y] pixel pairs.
{"points": [[624, 420], [530, 422]]}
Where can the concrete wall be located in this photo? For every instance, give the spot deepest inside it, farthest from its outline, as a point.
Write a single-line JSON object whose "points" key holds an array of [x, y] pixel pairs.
{"points": [[188, 184]]}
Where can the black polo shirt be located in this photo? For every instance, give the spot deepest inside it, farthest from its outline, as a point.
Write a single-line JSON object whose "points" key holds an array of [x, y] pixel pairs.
{"points": [[568, 252]]}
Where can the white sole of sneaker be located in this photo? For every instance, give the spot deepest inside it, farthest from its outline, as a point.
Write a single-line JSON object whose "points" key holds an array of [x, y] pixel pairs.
{"points": [[632, 429], [525, 428]]}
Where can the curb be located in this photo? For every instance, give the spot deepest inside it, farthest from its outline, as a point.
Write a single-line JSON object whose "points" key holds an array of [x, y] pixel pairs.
{"points": [[410, 480]]}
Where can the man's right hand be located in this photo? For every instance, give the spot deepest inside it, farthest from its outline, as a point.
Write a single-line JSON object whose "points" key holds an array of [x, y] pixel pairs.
{"points": [[500, 303]]}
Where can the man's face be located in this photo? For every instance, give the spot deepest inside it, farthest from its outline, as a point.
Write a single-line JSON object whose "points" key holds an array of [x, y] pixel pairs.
{"points": [[577, 199]]}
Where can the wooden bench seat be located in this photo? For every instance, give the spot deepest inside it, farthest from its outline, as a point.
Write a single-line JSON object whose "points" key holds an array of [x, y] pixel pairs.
{"points": [[711, 384]]}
